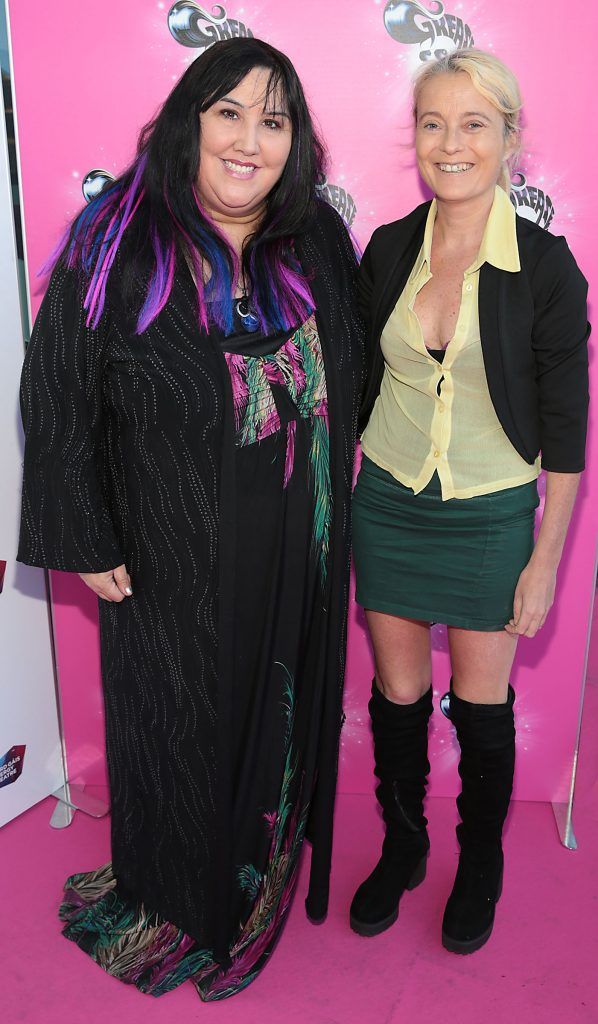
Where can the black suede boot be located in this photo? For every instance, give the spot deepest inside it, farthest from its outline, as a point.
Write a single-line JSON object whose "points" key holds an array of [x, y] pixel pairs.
{"points": [[401, 764], [486, 734]]}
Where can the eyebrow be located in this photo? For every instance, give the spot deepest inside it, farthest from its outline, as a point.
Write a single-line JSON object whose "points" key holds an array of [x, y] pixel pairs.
{"points": [[235, 103], [468, 113]]}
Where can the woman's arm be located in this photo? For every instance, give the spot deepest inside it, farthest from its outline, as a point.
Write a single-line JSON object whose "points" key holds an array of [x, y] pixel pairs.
{"points": [[536, 586], [559, 340], [65, 522], [560, 346]]}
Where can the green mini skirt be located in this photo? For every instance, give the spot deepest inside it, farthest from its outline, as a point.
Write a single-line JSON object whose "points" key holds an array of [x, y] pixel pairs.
{"points": [[455, 561]]}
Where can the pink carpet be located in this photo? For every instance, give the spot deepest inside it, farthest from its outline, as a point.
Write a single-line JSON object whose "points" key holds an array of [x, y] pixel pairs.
{"points": [[539, 967]]}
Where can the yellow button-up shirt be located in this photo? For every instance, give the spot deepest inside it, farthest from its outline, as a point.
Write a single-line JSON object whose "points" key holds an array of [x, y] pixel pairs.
{"points": [[438, 417]]}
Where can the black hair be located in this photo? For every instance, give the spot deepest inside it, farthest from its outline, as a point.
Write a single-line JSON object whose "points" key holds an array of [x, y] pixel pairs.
{"points": [[152, 212]]}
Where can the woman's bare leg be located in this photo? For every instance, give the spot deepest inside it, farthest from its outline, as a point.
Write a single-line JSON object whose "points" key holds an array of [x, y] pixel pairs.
{"points": [[481, 664], [402, 654]]}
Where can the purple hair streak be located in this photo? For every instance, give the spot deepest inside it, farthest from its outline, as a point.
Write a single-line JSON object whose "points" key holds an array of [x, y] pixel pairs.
{"points": [[282, 298]]}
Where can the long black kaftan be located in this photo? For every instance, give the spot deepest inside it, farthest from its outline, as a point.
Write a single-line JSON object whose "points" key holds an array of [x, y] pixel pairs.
{"points": [[132, 455]]}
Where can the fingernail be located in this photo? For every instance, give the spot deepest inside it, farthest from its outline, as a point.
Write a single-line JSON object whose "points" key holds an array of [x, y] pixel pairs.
{"points": [[128, 591]]}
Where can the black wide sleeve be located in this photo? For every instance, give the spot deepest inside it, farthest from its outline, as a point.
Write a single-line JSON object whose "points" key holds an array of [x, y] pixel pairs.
{"points": [[559, 339], [65, 523]]}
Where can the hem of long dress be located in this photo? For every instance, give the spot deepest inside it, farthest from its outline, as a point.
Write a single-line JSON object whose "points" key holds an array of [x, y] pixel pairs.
{"points": [[136, 945]]}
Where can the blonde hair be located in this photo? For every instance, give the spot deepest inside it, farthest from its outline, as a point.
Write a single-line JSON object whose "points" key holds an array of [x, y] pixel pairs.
{"points": [[496, 83]]}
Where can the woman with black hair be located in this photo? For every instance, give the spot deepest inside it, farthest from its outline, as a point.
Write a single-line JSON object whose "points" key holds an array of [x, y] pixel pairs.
{"points": [[190, 401]]}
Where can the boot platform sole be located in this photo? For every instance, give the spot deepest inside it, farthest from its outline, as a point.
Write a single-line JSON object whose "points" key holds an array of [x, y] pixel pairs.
{"points": [[468, 945], [465, 946], [370, 928]]}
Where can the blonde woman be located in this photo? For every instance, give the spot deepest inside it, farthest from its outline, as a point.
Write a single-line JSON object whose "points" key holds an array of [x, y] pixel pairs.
{"points": [[477, 377]]}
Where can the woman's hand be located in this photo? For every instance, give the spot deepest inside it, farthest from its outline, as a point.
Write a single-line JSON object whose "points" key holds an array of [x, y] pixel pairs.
{"points": [[535, 589], [534, 595], [113, 585]]}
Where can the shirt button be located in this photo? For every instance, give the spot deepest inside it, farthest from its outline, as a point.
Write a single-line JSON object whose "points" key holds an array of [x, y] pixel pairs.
{"points": [[468, 287], [441, 408], [436, 455]]}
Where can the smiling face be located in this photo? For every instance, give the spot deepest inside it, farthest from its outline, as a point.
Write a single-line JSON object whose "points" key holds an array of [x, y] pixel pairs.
{"points": [[460, 138], [245, 141]]}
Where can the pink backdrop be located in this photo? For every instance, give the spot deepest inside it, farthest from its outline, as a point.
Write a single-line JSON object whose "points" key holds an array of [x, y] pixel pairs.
{"points": [[86, 80]]}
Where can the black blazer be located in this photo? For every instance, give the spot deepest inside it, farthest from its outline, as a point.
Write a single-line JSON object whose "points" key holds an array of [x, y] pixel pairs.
{"points": [[533, 327]]}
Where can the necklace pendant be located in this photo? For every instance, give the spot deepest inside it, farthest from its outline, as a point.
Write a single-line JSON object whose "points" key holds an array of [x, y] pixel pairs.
{"points": [[249, 320]]}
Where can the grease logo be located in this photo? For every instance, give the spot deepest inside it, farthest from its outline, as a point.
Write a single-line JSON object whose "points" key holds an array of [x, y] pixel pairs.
{"points": [[531, 202], [340, 199], [197, 27], [11, 765], [434, 31]]}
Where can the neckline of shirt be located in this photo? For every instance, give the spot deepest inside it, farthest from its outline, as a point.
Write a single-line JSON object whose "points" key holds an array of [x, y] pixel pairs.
{"points": [[499, 242]]}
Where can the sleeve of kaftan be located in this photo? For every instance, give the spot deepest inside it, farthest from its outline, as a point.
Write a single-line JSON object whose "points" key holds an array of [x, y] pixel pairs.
{"points": [[65, 523]]}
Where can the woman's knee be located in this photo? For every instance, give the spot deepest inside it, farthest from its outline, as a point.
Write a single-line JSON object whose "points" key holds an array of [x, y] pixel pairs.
{"points": [[402, 690]]}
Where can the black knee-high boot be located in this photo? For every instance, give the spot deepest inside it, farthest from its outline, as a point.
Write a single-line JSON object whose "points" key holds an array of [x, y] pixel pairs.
{"points": [[401, 764], [486, 734]]}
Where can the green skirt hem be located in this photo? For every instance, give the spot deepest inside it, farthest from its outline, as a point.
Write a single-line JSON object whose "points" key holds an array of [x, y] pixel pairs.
{"points": [[402, 611]]}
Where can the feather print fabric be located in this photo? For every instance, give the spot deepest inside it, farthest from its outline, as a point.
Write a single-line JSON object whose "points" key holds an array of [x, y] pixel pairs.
{"points": [[298, 367]]}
